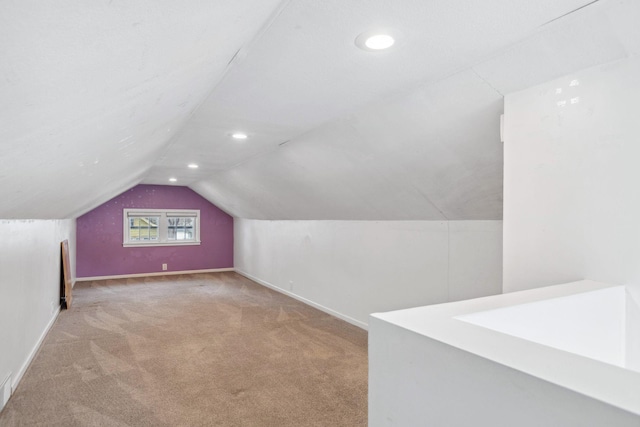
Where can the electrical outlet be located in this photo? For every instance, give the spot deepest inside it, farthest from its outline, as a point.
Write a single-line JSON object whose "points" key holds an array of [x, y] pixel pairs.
{"points": [[164, 267], [290, 285]]}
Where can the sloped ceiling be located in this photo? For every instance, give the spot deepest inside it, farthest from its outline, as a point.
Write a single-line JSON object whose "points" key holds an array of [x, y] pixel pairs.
{"points": [[91, 92], [96, 97]]}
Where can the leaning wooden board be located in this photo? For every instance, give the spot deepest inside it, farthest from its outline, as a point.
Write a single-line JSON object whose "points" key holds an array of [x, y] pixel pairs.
{"points": [[66, 285]]}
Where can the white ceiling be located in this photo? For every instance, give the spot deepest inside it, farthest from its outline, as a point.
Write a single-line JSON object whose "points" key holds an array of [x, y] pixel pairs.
{"points": [[96, 97]]}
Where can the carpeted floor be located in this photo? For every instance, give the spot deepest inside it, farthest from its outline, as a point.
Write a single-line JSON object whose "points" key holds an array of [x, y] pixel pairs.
{"points": [[194, 350]]}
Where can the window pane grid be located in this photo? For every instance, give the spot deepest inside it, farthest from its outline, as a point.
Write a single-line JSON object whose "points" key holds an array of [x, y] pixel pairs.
{"points": [[180, 228], [144, 228]]}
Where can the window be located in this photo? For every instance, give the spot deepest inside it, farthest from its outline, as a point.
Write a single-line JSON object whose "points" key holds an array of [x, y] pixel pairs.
{"points": [[180, 228], [143, 228], [160, 227]]}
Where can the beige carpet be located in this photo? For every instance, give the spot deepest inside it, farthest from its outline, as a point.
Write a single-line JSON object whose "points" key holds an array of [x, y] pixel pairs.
{"points": [[195, 350]]}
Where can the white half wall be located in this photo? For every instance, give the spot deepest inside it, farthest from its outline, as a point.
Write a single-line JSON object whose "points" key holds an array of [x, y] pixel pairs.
{"points": [[571, 195], [354, 268], [29, 288], [419, 380]]}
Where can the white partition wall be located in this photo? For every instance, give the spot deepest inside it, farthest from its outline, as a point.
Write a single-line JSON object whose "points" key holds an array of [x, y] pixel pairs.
{"points": [[30, 289], [492, 362], [354, 268], [572, 179]]}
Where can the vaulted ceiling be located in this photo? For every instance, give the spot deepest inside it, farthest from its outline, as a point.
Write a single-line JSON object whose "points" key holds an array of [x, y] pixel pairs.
{"points": [[96, 97]]}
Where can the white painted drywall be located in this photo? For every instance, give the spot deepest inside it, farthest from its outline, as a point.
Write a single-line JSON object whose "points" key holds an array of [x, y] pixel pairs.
{"points": [[592, 324], [632, 350], [30, 287], [406, 158], [354, 268], [410, 134], [92, 92], [416, 380], [571, 198]]}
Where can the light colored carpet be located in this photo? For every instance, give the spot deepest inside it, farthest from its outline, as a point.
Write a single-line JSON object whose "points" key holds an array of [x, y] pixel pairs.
{"points": [[194, 350]]}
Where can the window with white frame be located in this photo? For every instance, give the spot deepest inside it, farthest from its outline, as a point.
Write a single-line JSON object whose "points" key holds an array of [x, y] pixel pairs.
{"points": [[160, 227]]}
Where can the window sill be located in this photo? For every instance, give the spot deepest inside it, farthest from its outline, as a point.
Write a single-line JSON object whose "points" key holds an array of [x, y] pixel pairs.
{"points": [[150, 245]]}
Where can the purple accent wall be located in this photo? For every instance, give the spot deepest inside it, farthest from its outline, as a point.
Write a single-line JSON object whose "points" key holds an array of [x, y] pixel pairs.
{"points": [[99, 235]]}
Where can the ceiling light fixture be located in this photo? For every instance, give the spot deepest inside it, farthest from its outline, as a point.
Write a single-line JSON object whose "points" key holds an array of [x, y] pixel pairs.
{"points": [[375, 40], [172, 179], [379, 41], [239, 135], [192, 166]]}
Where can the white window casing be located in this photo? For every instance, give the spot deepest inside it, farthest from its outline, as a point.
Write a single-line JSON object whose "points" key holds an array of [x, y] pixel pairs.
{"points": [[185, 227]]}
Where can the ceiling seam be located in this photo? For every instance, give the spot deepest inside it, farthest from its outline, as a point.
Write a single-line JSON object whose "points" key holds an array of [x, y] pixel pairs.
{"points": [[486, 81], [258, 35], [424, 196], [534, 33], [237, 56], [569, 13], [472, 67]]}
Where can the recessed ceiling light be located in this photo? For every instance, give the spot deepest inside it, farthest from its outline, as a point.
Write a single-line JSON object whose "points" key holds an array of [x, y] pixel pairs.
{"points": [[192, 166], [172, 180], [239, 135], [379, 41], [375, 40]]}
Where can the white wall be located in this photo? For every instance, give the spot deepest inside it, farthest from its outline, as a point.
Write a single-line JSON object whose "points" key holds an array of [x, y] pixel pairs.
{"points": [[572, 179], [416, 380], [29, 287], [354, 268], [591, 324]]}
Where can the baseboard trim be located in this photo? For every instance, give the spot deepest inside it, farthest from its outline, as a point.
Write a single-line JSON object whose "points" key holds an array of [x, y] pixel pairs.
{"points": [[158, 273], [5, 391], [16, 380], [306, 301]]}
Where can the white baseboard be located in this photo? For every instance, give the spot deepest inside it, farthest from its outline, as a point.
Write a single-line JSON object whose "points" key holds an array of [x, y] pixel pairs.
{"points": [[5, 391], [16, 380], [158, 273], [306, 301]]}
